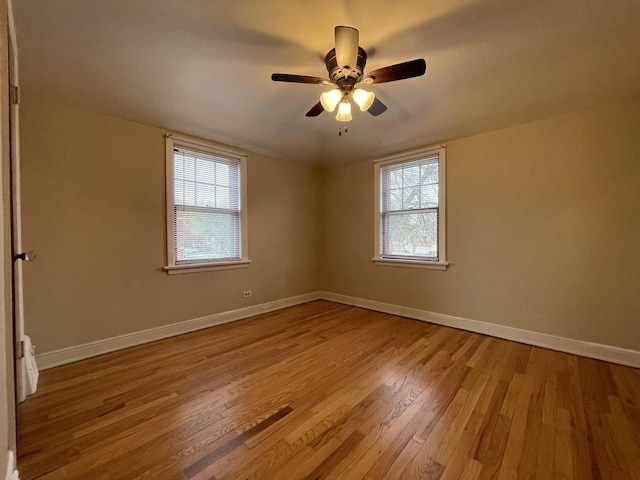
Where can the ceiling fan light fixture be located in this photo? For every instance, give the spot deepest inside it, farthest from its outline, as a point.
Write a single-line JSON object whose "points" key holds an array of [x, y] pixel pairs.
{"points": [[346, 68], [330, 99], [363, 98], [344, 112]]}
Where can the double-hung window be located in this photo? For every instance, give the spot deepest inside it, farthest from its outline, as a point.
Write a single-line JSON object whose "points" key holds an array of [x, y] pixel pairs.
{"points": [[410, 214], [206, 207]]}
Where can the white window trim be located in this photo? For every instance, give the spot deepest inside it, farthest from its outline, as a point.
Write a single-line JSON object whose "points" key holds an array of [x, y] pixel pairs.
{"points": [[172, 268], [379, 259]]}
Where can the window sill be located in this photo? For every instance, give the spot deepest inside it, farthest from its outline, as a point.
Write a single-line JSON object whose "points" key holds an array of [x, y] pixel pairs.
{"points": [[396, 262], [205, 267]]}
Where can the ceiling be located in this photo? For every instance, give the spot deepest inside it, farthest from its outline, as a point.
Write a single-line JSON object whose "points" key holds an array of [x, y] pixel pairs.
{"points": [[203, 67]]}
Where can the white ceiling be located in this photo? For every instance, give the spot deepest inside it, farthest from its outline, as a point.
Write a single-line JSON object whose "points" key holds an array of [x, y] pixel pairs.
{"points": [[203, 67]]}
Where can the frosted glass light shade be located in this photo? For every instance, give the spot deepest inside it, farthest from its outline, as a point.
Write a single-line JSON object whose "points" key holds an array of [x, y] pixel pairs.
{"points": [[363, 98], [330, 99], [344, 112]]}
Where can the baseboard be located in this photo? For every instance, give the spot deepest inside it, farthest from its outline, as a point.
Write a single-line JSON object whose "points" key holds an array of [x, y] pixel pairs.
{"points": [[568, 345], [80, 352], [598, 351], [12, 472]]}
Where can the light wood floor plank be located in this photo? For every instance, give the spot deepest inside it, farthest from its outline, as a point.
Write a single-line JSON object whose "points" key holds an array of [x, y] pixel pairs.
{"points": [[328, 391]]}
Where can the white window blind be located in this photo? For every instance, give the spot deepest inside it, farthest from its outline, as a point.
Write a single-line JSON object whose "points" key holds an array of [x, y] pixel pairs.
{"points": [[207, 224], [410, 209]]}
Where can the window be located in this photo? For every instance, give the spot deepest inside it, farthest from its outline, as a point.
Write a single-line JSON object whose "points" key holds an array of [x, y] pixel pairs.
{"points": [[206, 207], [410, 215]]}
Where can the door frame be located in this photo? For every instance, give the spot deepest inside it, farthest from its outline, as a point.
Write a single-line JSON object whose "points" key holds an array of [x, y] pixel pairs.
{"points": [[20, 370]]}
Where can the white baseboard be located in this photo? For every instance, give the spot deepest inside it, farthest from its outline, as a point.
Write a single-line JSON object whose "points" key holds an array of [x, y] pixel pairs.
{"points": [[598, 351], [80, 352], [568, 345], [12, 472]]}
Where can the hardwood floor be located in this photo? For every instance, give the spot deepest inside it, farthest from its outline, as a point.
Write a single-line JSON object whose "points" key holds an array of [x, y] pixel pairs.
{"points": [[324, 390]]}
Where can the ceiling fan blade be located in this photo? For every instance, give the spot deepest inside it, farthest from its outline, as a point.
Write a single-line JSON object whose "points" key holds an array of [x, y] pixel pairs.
{"points": [[410, 69], [285, 77], [347, 39], [377, 107], [316, 110]]}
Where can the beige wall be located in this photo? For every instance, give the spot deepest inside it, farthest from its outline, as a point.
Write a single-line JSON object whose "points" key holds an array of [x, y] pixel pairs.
{"points": [[543, 230], [94, 211]]}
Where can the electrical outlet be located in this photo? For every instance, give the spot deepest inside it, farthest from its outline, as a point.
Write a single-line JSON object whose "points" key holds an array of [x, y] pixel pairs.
{"points": [[246, 294]]}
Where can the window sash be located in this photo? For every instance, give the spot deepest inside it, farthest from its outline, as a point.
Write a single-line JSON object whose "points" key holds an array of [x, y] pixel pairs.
{"points": [[402, 186], [430, 247], [192, 246]]}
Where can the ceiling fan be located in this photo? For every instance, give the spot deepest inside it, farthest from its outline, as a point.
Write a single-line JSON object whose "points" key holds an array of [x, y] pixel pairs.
{"points": [[345, 64]]}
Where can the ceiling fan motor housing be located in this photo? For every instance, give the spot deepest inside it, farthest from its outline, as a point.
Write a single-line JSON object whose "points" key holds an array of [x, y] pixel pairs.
{"points": [[345, 77]]}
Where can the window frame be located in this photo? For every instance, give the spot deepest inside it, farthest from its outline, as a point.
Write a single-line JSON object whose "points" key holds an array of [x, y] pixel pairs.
{"points": [[209, 148], [398, 260]]}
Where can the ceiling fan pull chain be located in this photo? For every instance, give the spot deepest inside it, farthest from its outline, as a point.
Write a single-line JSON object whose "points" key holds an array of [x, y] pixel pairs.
{"points": [[345, 130]]}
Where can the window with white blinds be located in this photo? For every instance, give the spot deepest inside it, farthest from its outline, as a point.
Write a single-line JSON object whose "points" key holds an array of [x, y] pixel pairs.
{"points": [[205, 214], [410, 210]]}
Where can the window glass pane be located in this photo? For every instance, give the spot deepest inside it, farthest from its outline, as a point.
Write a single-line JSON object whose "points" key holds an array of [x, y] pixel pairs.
{"points": [[223, 197], [178, 193], [206, 171], [429, 173], [395, 199], [234, 197], [410, 198], [185, 193], [184, 166], [429, 196], [411, 234], [206, 235], [411, 176], [206, 195], [222, 174], [395, 178]]}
